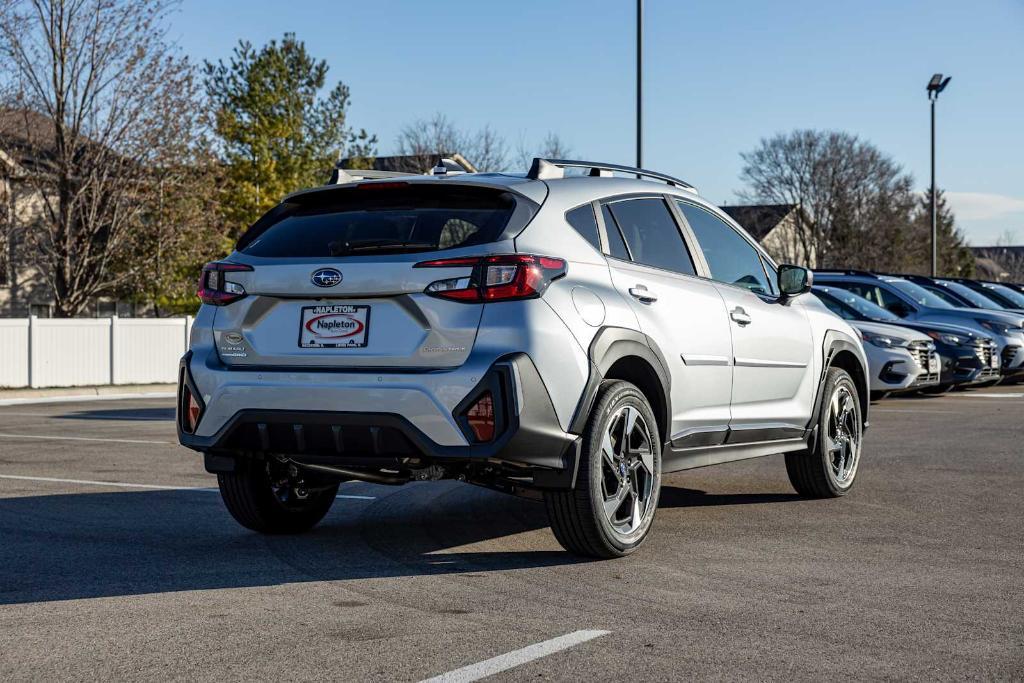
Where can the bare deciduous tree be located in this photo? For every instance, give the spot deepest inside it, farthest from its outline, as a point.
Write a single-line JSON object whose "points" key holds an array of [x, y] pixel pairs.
{"points": [[859, 207], [120, 111], [553, 147], [425, 139]]}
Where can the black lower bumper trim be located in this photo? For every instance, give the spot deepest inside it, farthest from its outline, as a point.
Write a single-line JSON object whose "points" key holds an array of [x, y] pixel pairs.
{"points": [[530, 435]]}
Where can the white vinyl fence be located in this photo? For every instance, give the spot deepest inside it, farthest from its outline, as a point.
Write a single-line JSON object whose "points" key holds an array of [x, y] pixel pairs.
{"points": [[53, 352]]}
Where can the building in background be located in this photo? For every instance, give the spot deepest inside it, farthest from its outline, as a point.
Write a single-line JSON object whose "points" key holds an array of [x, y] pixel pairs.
{"points": [[26, 144], [778, 228], [1004, 264]]}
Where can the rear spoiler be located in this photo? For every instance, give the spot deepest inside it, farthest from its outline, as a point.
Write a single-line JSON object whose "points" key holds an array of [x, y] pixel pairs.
{"points": [[444, 166]]}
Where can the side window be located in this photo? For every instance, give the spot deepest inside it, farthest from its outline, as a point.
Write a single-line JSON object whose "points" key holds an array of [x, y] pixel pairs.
{"points": [[893, 303], [582, 219], [616, 245], [860, 290], [731, 258], [652, 234]]}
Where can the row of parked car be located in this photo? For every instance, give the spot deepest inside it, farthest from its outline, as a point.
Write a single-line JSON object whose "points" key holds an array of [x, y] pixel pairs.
{"points": [[930, 335]]}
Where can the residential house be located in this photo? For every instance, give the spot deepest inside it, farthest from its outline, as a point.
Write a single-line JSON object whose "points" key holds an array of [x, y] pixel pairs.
{"points": [[26, 142], [778, 228]]}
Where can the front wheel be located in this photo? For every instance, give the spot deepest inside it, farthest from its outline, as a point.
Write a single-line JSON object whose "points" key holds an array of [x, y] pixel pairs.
{"points": [[609, 513], [272, 498], [828, 469]]}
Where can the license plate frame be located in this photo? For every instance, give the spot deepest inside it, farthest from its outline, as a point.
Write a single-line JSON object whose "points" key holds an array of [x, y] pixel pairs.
{"points": [[334, 318]]}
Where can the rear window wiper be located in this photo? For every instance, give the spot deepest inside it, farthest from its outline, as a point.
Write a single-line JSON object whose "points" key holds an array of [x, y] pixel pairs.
{"points": [[359, 246]]}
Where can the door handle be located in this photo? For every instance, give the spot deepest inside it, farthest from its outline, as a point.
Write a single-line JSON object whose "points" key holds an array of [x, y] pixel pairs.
{"points": [[642, 294], [740, 316]]}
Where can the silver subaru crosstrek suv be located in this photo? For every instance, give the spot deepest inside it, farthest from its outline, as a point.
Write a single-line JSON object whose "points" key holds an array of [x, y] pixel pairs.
{"points": [[568, 334]]}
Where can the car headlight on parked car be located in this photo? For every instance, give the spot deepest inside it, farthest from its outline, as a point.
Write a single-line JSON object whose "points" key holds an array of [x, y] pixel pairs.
{"points": [[884, 341], [946, 338], [1001, 328]]}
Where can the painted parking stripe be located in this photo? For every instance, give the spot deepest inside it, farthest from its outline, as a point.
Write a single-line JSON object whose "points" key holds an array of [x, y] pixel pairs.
{"points": [[991, 396], [156, 487], [509, 660], [52, 437]]}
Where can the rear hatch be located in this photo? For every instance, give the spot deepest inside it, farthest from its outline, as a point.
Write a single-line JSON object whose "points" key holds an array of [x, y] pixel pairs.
{"points": [[334, 283]]}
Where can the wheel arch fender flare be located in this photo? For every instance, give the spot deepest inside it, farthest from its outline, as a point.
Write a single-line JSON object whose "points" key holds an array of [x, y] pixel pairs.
{"points": [[841, 350], [610, 346]]}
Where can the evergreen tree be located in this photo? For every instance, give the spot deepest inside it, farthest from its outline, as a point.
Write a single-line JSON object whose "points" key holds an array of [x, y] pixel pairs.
{"points": [[277, 133]]}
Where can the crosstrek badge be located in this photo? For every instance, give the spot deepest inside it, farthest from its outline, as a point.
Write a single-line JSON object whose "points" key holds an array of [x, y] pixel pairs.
{"points": [[338, 326]]}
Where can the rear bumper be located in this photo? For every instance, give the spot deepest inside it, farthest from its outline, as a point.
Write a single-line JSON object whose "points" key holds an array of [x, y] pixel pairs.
{"points": [[356, 432]]}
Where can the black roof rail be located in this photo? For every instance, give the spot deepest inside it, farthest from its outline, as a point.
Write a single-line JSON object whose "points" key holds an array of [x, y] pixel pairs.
{"points": [[846, 271], [542, 169]]}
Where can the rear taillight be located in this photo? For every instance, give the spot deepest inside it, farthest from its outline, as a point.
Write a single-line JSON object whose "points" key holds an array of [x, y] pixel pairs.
{"points": [[480, 417], [507, 277], [214, 287]]}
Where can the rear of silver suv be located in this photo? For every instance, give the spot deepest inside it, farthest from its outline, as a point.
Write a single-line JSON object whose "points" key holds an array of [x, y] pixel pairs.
{"points": [[414, 329]]}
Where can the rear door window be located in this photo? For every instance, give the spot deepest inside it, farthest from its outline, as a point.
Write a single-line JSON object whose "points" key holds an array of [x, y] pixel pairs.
{"points": [[373, 219], [652, 235]]}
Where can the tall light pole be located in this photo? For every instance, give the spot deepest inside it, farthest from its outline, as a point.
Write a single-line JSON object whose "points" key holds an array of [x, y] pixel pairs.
{"points": [[639, 83], [936, 85]]}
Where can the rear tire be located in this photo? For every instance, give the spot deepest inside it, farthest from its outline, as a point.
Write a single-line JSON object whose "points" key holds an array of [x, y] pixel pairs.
{"points": [[609, 513], [829, 468], [270, 503]]}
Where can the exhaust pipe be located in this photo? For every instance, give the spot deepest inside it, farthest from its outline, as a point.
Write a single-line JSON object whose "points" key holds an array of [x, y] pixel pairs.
{"points": [[371, 477]]}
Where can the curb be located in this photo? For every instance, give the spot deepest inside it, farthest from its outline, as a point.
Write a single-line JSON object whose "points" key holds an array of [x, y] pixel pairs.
{"points": [[11, 397]]}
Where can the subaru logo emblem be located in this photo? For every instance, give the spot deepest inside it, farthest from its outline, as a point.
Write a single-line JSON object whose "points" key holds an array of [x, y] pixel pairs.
{"points": [[326, 277]]}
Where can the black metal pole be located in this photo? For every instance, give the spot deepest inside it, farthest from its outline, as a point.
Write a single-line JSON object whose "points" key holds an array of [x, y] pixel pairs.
{"points": [[935, 249], [639, 83]]}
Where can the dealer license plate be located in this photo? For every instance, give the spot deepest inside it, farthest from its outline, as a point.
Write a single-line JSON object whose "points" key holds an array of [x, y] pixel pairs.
{"points": [[334, 327]]}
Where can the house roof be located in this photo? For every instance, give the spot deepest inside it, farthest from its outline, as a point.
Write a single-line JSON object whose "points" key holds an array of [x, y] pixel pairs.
{"points": [[26, 136], [759, 219]]}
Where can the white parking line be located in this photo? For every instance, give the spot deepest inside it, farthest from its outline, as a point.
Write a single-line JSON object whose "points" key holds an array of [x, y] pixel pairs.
{"points": [[495, 665], [126, 485], [991, 396], [51, 437]]}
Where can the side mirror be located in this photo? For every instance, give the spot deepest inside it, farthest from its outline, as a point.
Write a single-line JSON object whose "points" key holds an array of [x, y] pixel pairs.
{"points": [[794, 281]]}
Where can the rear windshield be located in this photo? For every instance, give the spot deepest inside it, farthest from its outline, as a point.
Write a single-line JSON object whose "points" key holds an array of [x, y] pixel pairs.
{"points": [[382, 218]]}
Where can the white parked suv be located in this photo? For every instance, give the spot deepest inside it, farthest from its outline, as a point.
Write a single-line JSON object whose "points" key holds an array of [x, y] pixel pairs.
{"points": [[572, 336]]}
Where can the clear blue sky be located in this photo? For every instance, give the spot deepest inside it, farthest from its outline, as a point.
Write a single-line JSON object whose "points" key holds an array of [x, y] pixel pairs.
{"points": [[720, 75]]}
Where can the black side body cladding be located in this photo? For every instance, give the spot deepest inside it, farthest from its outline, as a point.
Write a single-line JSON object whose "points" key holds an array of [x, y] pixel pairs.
{"points": [[610, 345]]}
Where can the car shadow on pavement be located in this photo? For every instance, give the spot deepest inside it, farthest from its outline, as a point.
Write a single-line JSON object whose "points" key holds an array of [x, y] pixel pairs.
{"points": [[89, 545], [143, 414], [72, 546], [679, 497]]}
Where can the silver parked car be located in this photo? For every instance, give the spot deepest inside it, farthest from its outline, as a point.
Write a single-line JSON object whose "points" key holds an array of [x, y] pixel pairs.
{"points": [[568, 336]]}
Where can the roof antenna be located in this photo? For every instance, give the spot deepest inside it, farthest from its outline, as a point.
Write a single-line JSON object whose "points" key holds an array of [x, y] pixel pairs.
{"points": [[440, 168]]}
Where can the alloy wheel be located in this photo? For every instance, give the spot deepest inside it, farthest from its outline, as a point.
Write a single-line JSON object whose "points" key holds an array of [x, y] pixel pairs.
{"points": [[843, 436], [627, 471]]}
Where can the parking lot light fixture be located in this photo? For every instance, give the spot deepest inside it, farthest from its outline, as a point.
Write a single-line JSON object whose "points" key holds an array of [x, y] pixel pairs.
{"points": [[935, 86]]}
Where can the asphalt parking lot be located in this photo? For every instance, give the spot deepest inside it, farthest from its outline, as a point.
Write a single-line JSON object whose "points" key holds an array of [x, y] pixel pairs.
{"points": [[918, 573]]}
